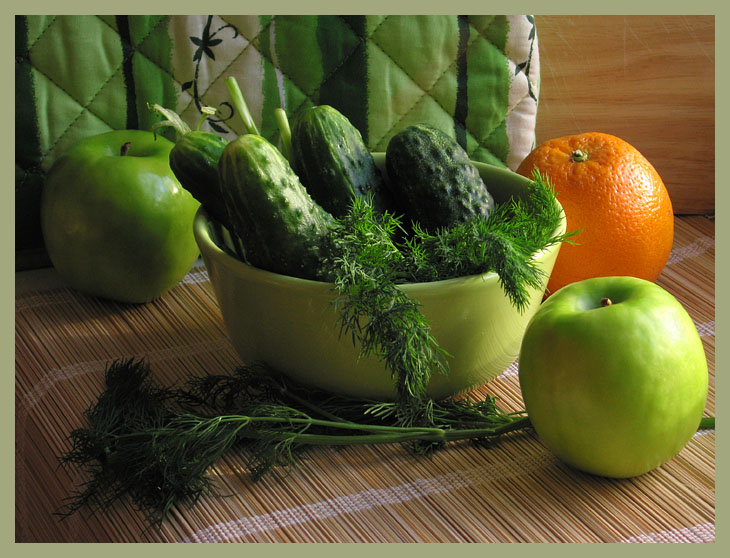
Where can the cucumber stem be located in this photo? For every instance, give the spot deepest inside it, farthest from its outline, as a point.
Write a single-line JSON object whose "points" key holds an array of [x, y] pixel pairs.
{"points": [[205, 112], [173, 120], [240, 104], [283, 123]]}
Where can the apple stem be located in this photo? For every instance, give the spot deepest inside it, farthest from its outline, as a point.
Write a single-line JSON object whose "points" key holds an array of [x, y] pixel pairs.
{"points": [[606, 302], [125, 148]]}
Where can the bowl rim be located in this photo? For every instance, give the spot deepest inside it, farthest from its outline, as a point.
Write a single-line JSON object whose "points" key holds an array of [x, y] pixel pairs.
{"points": [[201, 230]]}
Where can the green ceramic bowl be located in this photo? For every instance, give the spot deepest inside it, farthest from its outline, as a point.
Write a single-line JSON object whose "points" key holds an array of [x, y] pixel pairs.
{"points": [[290, 323]]}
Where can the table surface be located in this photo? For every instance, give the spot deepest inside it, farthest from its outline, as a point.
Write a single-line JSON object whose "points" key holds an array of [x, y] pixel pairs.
{"points": [[515, 491]]}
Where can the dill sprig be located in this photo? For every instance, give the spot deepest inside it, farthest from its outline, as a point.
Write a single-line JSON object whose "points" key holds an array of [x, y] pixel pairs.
{"points": [[156, 445], [126, 447], [505, 243], [371, 254], [367, 265]]}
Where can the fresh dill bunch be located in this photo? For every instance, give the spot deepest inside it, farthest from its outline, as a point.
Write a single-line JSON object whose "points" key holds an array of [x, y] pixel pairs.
{"points": [[123, 447], [367, 265], [370, 254], [156, 445], [504, 242]]}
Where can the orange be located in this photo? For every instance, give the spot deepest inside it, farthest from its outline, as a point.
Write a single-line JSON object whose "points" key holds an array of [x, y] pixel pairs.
{"points": [[609, 190]]}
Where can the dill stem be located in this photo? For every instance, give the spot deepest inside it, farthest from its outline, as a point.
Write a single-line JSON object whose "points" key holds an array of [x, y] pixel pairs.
{"points": [[467, 433], [306, 403], [378, 434], [308, 421], [394, 435], [436, 435]]}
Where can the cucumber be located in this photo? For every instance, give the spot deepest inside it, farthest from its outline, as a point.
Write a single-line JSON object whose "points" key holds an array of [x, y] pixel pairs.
{"points": [[194, 161], [333, 162], [281, 227], [432, 179]]}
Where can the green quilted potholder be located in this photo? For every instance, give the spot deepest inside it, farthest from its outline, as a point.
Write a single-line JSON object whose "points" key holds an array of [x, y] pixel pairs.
{"points": [[476, 77], [77, 76]]}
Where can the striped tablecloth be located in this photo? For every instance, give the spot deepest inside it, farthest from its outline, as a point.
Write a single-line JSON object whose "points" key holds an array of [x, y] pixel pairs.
{"points": [[515, 491]]}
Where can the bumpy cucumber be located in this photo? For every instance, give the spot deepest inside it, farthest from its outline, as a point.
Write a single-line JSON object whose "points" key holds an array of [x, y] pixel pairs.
{"points": [[432, 179], [281, 227], [333, 162], [194, 160]]}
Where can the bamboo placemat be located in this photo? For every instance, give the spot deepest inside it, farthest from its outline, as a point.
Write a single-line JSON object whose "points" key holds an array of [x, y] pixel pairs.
{"points": [[515, 491]]}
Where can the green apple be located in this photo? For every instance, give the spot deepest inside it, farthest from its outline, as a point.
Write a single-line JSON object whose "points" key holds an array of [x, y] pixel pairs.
{"points": [[613, 375], [116, 223]]}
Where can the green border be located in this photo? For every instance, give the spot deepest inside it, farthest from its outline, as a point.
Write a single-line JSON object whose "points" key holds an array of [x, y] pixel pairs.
{"points": [[374, 7]]}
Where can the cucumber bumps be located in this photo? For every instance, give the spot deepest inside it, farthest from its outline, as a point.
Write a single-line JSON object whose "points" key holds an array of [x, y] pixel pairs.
{"points": [[333, 162], [432, 179], [281, 227], [194, 161]]}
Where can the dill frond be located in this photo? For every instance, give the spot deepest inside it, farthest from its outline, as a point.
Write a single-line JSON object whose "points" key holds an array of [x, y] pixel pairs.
{"points": [[504, 242], [368, 265], [371, 254], [156, 446]]}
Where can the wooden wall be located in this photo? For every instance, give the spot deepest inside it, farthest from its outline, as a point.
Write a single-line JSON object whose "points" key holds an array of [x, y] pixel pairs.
{"points": [[647, 79]]}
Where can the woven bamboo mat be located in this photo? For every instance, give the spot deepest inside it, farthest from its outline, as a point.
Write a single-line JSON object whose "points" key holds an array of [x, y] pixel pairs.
{"points": [[515, 491]]}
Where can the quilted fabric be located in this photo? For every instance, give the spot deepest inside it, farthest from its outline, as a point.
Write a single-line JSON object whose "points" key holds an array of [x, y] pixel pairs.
{"points": [[77, 76], [476, 77]]}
